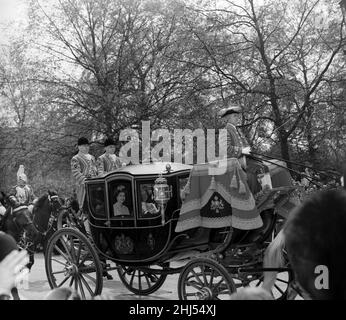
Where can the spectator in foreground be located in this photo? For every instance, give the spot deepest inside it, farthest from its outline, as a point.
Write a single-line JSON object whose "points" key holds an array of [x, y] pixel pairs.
{"points": [[62, 294], [315, 239], [251, 293], [12, 262]]}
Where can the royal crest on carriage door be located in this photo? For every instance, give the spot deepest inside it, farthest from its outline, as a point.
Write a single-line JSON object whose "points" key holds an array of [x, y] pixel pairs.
{"points": [[123, 244]]}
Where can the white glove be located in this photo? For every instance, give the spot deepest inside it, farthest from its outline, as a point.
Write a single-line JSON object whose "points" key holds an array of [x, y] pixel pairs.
{"points": [[246, 150]]}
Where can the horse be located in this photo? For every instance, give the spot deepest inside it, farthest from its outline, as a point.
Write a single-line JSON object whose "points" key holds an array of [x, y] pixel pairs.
{"points": [[3, 199], [31, 229], [17, 222], [45, 211]]}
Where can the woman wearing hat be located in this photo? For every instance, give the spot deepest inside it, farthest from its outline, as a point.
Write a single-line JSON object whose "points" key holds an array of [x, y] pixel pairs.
{"points": [[83, 166], [108, 161]]}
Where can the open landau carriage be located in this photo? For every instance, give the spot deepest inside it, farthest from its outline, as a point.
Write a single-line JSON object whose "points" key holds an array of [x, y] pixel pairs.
{"points": [[136, 222]]}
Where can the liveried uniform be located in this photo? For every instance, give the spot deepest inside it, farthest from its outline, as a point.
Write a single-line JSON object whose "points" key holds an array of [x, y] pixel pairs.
{"points": [[106, 163], [82, 166], [236, 141], [24, 195]]}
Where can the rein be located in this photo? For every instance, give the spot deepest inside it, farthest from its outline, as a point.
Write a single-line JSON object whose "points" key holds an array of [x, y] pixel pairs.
{"points": [[50, 221], [293, 162], [13, 213], [289, 169]]}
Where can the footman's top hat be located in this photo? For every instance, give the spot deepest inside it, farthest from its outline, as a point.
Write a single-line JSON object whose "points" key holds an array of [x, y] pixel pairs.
{"points": [[229, 110], [82, 141]]}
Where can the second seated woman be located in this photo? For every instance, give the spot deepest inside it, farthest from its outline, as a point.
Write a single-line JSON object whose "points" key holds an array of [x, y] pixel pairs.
{"points": [[147, 206]]}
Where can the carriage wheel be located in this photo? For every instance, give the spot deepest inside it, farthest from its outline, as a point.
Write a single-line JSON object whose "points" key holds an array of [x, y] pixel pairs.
{"points": [[282, 289], [141, 282], [205, 279], [76, 265]]}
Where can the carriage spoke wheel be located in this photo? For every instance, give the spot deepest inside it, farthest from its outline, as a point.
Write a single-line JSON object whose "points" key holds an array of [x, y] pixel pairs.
{"points": [[205, 279], [71, 260], [141, 282], [282, 288]]}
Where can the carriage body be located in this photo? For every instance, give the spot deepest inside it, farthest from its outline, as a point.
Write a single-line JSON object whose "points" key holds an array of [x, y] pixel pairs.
{"points": [[142, 240], [139, 235]]}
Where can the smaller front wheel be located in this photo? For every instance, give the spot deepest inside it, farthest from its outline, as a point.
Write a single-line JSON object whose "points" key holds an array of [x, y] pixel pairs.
{"points": [[205, 279], [141, 282], [72, 261]]}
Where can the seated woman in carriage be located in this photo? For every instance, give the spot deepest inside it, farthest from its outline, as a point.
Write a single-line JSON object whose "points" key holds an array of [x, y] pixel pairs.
{"points": [[148, 205], [119, 209]]}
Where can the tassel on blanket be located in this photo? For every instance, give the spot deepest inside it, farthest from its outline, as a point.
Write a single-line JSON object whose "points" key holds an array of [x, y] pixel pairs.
{"points": [[234, 182], [212, 184], [242, 189], [186, 190]]}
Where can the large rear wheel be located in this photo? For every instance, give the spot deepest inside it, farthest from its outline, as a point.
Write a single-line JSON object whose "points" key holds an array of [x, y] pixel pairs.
{"points": [[205, 279], [282, 288], [71, 260]]}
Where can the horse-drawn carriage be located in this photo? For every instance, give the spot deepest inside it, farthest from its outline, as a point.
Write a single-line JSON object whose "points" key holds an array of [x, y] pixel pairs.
{"points": [[135, 221]]}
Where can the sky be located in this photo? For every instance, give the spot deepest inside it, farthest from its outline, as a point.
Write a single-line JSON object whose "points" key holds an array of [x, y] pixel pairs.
{"points": [[11, 11], [15, 11]]}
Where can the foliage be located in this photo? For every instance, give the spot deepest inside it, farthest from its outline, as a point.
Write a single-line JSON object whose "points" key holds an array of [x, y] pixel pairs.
{"points": [[93, 68]]}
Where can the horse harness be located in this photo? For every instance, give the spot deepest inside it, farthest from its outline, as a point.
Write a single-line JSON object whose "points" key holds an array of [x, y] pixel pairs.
{"points": [[13, 213], [51, 218]]}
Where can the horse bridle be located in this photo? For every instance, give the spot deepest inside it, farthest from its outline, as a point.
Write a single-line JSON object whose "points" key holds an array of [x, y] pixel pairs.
{"points": [[14, 212], [51, 199]]}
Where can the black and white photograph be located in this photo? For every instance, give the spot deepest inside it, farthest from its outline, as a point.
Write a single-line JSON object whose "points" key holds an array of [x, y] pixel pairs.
{"points": [[169, 150]]}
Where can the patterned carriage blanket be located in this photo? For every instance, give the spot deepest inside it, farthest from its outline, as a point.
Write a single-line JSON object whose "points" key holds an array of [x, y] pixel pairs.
{"points": [[217, 195]]}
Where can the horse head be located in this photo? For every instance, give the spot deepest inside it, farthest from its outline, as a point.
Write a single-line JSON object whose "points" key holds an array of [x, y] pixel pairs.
{"points": [[19, 220], [55, 201], [45, 209]]}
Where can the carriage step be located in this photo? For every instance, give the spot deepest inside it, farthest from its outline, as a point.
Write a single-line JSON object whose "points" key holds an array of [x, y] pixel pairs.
{"points": [[185, 255]]}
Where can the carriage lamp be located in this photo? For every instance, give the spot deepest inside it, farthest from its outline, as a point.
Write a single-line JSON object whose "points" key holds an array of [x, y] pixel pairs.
{"points": [[162, 194]]}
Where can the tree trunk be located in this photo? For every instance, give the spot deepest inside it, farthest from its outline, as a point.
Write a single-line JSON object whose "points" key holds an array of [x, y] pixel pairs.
{"points": [[310, 140], [285, 154]]}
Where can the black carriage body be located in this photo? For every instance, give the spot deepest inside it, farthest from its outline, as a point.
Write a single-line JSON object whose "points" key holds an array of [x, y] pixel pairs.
{"points": [[135, 236]]}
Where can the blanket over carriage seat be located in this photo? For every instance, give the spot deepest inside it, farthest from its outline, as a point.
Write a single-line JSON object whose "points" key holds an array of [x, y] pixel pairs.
{"points": [[217, 195]]}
